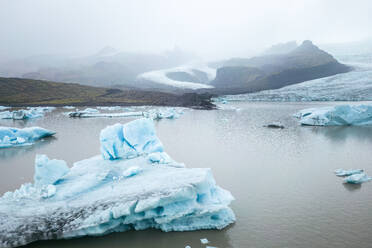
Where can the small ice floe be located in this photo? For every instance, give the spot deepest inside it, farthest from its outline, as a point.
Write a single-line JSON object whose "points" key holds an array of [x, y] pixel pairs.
{"points": [[357, 178], [345, 173], [110, 108], [187, 246], [275, 125], [69, 107], [108, 115], [10, 137], [166, 113], [340, 115], [204, 241], [29, 113], [4, 107]]}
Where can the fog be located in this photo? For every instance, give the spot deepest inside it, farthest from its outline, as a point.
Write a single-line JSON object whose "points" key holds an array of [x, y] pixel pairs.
{"points": [[210, 28]]}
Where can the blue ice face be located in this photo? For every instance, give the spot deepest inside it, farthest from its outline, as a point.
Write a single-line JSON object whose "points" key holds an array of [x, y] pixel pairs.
{"points": [[19, 137], [129, 140], [340, 115]]}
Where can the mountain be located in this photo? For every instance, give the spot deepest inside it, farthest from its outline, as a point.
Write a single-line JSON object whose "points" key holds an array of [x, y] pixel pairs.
{"points": [[28, 92], [106, 68], [305, 62]]}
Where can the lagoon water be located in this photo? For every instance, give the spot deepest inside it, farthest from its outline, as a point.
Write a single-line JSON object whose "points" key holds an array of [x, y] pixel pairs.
{"points": [[286, 192]]}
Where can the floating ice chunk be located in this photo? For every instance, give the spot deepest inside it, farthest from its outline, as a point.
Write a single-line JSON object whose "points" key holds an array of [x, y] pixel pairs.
{"points": [[110, 108], [90, 110], [129, 140], [210, 246], [110, 115], [69, 107], [29, 113], [132, 171], [19, 137], [343, 173], [337, 115], [204, 241], [357, 178], [165, 113], [90, 200], [4, 107], [48, 171], [187, 246]]}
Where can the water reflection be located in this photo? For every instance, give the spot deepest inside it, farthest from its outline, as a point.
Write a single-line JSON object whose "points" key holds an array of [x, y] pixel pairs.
{"points": [[146, 238], [8, 153], [352, 187], [342, 133]]}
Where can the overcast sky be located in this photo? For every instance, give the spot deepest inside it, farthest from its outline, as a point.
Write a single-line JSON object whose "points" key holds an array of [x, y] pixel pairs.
{"points": [[210, 28]]}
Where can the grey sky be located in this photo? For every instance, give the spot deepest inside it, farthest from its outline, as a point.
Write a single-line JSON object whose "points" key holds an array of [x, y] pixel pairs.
{"points": [[210, 28]]}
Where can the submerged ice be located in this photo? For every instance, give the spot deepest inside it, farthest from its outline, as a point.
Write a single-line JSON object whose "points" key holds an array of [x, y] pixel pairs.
{"points": [[340, 115], [10, 136], [133, 184]]}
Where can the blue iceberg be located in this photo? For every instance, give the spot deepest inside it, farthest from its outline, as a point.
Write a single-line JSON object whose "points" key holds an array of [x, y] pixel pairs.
{"points": [[345, 173], [10, 136], [340, 115], [29, 113], [119, 190], [357, 178]]}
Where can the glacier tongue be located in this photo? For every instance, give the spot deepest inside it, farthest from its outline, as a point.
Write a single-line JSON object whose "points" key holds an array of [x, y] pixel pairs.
{"points": [[101, 194], [340, 115]]}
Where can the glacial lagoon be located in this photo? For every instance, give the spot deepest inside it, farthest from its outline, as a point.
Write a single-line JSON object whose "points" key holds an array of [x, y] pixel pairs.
{"points": [[286, 192]]}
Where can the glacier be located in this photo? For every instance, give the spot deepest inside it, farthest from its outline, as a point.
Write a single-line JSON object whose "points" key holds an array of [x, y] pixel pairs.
{"points": [[340, 115], [10, 137], [160, 76], [132, 184], [352, 86]]}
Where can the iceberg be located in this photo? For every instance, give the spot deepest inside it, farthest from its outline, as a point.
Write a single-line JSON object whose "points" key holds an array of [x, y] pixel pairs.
{"points": [[167, 113], [4, 107], [357, 178], [10, 137], [110, 108], [119, 190], [340, 115], [204, 241], [344, 173], [109, 115], [29, 113]]}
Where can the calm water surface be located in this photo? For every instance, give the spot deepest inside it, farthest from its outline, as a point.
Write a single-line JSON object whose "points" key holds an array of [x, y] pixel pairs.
{"points": [[282, 179]]}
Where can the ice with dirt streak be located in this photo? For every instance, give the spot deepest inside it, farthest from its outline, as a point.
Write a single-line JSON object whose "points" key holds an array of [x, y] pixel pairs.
{"points": [[131, 185]]}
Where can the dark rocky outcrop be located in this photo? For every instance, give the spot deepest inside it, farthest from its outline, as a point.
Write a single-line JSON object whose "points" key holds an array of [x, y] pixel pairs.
{"points": [[27, 92], [306, 62]]}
